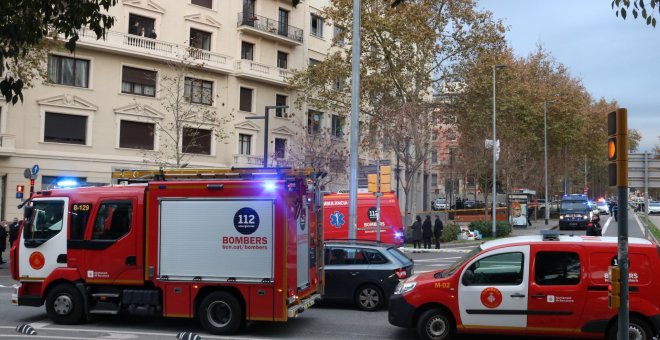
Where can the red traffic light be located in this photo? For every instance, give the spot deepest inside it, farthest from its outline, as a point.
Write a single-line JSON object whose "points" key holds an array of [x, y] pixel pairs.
{"points": [[20, 188]]}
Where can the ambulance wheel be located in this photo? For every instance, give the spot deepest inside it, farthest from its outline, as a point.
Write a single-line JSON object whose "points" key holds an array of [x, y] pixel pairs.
{"points": [[221, 313], [638, 329], [369, 298], [64, 304], [434, 324]]}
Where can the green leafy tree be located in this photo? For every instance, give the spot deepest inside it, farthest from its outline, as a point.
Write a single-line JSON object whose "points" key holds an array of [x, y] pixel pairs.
{"points": [[408, 53], [645, 8], [24, 24]]}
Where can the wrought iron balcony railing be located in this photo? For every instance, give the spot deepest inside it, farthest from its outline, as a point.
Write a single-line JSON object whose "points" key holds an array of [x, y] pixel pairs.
{"points": [[265, 24]]}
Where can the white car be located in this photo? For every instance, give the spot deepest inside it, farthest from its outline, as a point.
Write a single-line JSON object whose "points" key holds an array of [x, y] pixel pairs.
{"points": [[654, 207], [440, 204], [603, 208]]}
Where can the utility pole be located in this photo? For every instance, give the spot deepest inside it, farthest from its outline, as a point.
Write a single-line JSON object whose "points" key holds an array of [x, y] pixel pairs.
{"points": [[355, 110]]}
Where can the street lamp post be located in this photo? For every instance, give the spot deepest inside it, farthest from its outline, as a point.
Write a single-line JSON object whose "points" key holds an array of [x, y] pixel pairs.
{"points": [[495, 67], [265, 118], [545, 151]]}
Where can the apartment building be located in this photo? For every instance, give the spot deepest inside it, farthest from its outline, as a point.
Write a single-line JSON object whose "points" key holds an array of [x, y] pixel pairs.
{"points": [[100, 108]]}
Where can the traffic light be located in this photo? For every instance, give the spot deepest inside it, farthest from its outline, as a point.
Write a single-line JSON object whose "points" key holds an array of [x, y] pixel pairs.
{"points": [[385, 178], [617, 147], [614, 289], [19, 191], [373, 182]]}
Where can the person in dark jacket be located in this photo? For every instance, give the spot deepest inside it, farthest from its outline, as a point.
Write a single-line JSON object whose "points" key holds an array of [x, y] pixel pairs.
{"points": [[417, 232], [3, 239], [13, 231], [594, 228], [427, 232], [437, 231]]}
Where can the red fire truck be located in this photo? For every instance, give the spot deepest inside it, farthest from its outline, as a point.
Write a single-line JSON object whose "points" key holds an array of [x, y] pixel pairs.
{"points": [[221, 245], [336, 210]]}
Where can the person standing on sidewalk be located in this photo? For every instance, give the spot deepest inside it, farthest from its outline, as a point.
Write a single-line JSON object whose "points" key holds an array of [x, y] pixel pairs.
{"points": [[417, 232], [3, 238], [13, 231], [437, 231], [426, 232]]}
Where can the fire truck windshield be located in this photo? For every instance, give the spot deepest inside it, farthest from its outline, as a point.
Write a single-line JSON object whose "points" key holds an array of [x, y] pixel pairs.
{"points": [[46, 220]]}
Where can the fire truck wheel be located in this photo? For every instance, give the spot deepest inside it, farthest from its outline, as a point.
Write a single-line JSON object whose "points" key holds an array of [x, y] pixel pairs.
{"points": [[368, 297], [434, 324], [220, 313], [64, 305], [638, 329]]}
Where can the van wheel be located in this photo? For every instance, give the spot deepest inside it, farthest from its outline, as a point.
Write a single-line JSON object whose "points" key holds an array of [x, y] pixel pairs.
{"points": [[638, 329], [435, 324], [64, 305], [369, 298], [220, 313]]}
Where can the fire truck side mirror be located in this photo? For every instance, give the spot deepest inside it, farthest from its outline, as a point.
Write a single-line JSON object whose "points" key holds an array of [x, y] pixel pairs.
{"points": [[27, 212]]}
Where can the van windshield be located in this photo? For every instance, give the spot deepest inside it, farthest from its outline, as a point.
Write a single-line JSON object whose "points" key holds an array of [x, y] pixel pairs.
{"points": [[46, 220], [573, 205]]}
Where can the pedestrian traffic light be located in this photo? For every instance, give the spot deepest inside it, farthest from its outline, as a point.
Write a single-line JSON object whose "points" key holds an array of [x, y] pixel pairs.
{"points": [[614, 289], [617, 147], [373, 182], [19, 191], [385, 178]]}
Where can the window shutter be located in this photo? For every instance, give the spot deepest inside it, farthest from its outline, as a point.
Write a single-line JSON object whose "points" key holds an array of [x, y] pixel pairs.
{"points": [[138, 76]]}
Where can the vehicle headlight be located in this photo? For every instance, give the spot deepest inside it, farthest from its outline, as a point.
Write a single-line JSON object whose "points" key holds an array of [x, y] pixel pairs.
{"points": [[404, 287], [561, 217], [585, 217]]}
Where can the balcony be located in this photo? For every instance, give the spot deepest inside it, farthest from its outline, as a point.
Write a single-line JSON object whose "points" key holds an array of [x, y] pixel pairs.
{"points": [[270, 28], [138, 46], [257, 161], [261, 72], [7, 145]]}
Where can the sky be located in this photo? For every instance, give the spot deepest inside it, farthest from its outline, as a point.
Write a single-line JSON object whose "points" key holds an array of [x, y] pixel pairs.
{"points": [[615, 59]]}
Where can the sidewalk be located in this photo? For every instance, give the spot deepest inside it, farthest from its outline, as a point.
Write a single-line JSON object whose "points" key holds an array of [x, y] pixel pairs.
{"points": [[534, 229]]}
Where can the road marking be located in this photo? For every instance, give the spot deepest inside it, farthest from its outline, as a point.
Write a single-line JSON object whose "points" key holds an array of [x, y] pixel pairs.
{"points": [[640, 225], [40, 325], [453, 258], [607, 224]]}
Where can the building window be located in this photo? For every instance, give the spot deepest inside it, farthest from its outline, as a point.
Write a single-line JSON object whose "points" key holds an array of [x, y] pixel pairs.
{"points": [[339, 84], [203, 3], [136, 135], [246, 100], [451, 135], [63, 128], [434, 135], [434, 180], [200, 39], [244, 144], [434, 157], [196, 141], [138, 81], [337, 124], [337, 33], [247, 51], [314, 119], [280, 147], [283, 27], [198, 91], [316, 26], [280, 100], [68, 71], [282, 59], [139, 25]]}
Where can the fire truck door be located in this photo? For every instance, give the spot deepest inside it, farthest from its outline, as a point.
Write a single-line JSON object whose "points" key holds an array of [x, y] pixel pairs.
{"points": [[302, 234], [112, 252], [493, 289]]}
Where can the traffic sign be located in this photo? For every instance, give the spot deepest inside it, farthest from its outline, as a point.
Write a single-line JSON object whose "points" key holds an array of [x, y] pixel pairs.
{"points": [[35, 169], [27, 173]]}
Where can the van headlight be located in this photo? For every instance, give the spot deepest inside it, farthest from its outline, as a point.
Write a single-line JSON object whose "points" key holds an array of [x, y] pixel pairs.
{"points": [[561, 217], [404, 287], [585, 217]]}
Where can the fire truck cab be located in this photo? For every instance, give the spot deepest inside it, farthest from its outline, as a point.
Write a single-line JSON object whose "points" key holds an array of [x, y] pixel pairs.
{"points": [[222, 245]]}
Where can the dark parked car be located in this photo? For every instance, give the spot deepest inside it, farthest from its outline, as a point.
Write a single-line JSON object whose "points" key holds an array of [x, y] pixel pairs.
{"points": [[365, 273], [471, 204]]}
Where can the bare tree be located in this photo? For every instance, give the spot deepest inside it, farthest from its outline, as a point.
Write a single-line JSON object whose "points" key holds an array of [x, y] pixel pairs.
{"points": [[193, 117]]}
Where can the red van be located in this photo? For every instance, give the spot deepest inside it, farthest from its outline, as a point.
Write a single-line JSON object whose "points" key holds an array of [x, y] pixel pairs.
{"points": [[533, 285], [335, 218]]}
